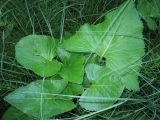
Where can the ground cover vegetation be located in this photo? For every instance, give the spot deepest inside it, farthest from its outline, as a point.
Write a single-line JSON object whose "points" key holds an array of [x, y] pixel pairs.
{"points": [[78, 60]]}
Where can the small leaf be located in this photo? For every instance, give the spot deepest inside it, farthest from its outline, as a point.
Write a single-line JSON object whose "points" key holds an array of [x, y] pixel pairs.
{"points": [[40, 99], [73, 89], [151, 23], [102, 94], [73, 69], [149, 9], [14, 114], [36, 52]]}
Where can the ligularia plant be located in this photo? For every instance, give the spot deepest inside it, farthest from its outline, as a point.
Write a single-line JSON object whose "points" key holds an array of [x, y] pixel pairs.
{"points": [[95, 65]]}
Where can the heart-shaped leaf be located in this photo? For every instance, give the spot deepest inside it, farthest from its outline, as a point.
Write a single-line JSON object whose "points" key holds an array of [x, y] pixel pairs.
{"points": [[118, 39], [36, 52], [41, 98]]}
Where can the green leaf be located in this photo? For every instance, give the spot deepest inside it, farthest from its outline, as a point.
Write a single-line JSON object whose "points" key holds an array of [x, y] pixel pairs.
{"points": [[118, 39], [92, 58], [14, 114], [122, 40], [73, 68], [73, 89], [149, 9], [40, 99], [36, 52], [151, 23], [63, 55], [102, 94], [128, 78], [95, 72]]}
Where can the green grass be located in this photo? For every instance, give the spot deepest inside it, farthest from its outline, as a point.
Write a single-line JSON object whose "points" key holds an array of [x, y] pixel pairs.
{"points": [[58, 18]]}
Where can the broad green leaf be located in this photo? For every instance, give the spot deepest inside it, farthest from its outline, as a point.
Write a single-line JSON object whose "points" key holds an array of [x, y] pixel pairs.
{"points": [[14, 114], [118, 39], [102, 94], [40, 98], [128, 78], [73, 68], [149, 9], [36, 52]]}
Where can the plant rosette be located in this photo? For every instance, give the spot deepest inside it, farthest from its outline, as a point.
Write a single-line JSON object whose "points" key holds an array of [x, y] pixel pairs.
{"points": [[66, 69]]}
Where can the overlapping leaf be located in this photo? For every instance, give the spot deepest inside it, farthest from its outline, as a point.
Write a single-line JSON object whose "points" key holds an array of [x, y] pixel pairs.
{"points": [[102, 94], [36, 52], [73, 68], [41, 98], [118, 39], [14, 114], [73, 89], [95, 72]]}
